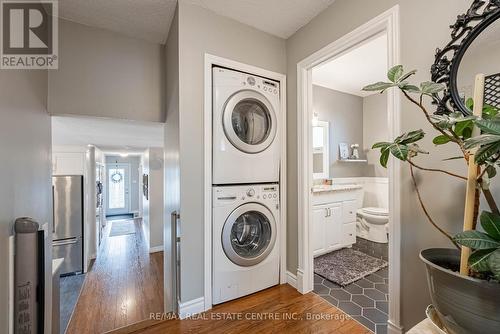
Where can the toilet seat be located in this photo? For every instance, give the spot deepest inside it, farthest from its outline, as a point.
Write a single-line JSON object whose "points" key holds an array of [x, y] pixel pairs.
{"points": [[376, 211]]}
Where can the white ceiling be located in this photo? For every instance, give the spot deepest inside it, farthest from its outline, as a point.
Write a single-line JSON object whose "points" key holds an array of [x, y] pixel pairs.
{"points": [[144, 19], [281, 18], [110, 135], [353, 70]]}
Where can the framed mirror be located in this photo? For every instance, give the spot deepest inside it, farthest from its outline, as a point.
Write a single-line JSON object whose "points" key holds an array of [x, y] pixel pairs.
{"points": [[321, 150], [474, 48]]}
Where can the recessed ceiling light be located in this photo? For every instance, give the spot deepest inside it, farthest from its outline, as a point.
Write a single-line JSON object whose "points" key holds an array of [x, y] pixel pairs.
{"points": [[124, 155]]}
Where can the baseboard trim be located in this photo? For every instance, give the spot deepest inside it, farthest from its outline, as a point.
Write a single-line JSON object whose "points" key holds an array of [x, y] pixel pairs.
{"points": [[393, 328], [300, 281], [291, 279], [191, 307], [156, 249]]}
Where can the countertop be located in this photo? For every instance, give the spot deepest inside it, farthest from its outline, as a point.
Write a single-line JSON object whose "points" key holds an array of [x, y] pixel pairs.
{"points": [[335, 187], [56, 264]]}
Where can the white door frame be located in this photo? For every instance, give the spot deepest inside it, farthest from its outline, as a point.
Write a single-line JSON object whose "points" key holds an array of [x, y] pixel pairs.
{"points": [[387, 22], [210, 61]]}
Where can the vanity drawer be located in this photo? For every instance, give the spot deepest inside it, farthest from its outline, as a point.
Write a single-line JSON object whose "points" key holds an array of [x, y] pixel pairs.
{"points": [[349, 234], [349, 211]]}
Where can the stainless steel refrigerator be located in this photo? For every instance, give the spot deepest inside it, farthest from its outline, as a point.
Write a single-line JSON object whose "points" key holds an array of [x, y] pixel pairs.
{"points": [[67, 192]]}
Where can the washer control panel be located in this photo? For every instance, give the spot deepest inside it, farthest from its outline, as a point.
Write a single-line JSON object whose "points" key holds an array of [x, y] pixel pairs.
{"points": [[223, 195]]}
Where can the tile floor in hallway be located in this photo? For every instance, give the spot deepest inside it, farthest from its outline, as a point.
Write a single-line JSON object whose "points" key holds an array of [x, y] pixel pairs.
{"points": [[365, 300]]}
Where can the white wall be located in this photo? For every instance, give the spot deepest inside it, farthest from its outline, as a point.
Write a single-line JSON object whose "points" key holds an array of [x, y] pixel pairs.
{"points": [[375, 129], [156, 197], [105, 74], [25, 171], [143, 200], [202, 31]]}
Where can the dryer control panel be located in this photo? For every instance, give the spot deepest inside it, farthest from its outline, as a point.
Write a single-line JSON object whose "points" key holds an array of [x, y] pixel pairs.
{"points": [[225, 195]]}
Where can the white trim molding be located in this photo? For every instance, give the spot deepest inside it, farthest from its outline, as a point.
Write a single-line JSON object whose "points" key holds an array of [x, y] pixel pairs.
{"points": [[210, 61], [156, 249], [191, 307], [291, 279], [386, 23]]}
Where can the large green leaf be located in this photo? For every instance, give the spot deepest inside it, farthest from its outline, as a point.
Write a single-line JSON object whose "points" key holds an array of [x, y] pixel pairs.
{"points": [[461, 126], [410, 88], [491, 224], [494, 263], [399, 151], [478, 261], [481, 141], [491, 126], [476, 240], [441, 140], [410, 137], [395, 73], [407, 75], [486, 153], [380, 145], [430, 88], [384, 157], [379, 87]]}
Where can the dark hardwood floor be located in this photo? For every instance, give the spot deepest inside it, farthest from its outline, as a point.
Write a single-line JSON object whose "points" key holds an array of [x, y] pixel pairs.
{"points": [[123, 287], [280, 309]]}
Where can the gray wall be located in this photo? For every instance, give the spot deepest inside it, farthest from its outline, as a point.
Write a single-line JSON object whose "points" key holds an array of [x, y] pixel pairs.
{"points": [[25, 170], [419, 40], [155, 171], [344, 112], [105, 74], [171, 153], [134, 162], [375, 129], [202, 31]]}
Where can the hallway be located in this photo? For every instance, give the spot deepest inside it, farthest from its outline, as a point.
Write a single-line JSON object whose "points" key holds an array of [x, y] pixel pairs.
{"points": [[124, 285]]}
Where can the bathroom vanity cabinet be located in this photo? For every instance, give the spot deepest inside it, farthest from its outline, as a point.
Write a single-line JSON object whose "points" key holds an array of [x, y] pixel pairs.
{"points": [[334, 218]]}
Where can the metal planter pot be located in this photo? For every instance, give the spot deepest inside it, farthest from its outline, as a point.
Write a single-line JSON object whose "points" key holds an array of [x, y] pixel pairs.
{"points": [[465, 305]]}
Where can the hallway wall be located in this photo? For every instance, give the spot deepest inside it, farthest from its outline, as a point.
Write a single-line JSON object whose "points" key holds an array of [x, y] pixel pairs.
{"points": [[25, 171]]}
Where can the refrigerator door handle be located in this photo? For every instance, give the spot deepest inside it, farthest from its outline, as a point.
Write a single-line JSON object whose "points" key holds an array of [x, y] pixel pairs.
{"points": [[69, 241]]}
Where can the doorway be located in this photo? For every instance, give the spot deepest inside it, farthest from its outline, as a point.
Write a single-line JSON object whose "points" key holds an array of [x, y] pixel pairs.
{"points": [[338, 207], [118, 189]]}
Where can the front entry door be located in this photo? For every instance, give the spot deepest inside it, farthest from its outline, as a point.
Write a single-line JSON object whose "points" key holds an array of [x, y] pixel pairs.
{"points": [[118, 189]]}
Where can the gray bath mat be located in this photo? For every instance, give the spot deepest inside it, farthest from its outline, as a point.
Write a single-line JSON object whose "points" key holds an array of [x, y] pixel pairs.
{"points": [[122, 227], [346, 266]]}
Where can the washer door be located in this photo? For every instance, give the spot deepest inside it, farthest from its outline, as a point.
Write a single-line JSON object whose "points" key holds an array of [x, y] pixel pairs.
{"points": [[249, 234], [249, 121]]}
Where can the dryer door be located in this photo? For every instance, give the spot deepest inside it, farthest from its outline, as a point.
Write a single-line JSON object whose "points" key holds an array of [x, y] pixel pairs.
{"points": [[249, 121], [249, 234]]}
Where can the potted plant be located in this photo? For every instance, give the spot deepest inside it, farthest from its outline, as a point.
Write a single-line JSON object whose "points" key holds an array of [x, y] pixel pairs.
{"points": [[467, 300]]}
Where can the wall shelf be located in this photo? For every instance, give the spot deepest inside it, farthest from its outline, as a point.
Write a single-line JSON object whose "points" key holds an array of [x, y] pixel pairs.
{"points": [[353, 160]]}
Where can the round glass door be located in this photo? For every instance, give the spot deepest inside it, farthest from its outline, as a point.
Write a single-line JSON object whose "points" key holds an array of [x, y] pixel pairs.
{"points": [[249, 234], [249, 121]]}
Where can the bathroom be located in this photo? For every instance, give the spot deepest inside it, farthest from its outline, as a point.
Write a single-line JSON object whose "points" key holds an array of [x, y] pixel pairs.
{"points": [[350, 200]]}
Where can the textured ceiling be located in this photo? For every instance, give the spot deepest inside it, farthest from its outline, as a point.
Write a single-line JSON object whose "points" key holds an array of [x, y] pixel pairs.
{"points": [[281, 18], [350, 72], [107, 134], [144, 19]]}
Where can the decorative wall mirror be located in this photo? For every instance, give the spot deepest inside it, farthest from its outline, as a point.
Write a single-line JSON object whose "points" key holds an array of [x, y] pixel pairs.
{"points": [[474, 48], [321, 150]]}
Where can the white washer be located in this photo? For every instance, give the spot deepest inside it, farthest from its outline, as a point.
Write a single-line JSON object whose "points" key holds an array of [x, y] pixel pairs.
{"points": [[246, 145], [245, 242]]}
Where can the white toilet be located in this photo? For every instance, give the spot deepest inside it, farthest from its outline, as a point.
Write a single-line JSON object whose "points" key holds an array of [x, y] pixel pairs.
{"points": [[372, 224]]}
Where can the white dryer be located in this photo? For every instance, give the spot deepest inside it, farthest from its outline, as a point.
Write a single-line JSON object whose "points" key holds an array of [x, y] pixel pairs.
{"points": [[246, 145], [245, 243]]}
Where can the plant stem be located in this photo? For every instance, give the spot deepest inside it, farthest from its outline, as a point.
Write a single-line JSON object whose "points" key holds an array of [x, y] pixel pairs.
{"points": [[453, 137], [436, 170], [491, 201], [426, 212]]}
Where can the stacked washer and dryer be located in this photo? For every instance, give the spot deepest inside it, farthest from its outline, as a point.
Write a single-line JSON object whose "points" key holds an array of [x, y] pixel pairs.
{"points": [[246, 169]]}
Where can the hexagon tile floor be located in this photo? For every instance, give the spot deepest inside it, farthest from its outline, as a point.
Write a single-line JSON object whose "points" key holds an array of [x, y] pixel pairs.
{"points": [[365, 300]]}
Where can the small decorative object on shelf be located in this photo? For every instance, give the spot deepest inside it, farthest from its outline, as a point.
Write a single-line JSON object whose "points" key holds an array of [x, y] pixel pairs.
{"points": [[355, 152], [343, 151]]}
